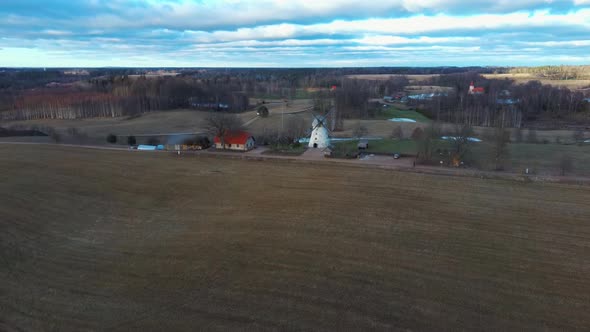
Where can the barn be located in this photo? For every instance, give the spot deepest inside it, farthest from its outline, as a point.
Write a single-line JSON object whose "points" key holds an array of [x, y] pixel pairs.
{"points": [[473, 90], [235, 140]]}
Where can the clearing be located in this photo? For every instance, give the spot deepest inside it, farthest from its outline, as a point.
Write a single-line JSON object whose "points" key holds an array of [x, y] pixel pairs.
{"points": [[109, 240]]}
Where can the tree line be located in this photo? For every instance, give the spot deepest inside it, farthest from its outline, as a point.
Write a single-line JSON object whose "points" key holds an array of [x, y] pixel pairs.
{"points": [[115, 96]]}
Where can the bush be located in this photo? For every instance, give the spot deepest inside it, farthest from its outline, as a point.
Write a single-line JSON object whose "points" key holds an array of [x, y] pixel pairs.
{"points": [[532, 136], [153, 141], [262, 111], [426, 113], [578, 135], [417, 134], [131, 140], [112, 138], [201, 141], [518, 135], [397, 133], [72, 131], [55, 136], [51, 132]]}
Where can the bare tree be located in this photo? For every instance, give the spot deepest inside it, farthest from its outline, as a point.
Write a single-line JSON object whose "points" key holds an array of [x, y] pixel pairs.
{"points": [[296, 127], [111, 138], [426, 140], [220, 124], [397, 133], [518, 135], [461, 142], [532, 136], [500, 148], [359, 130], [417, 133], [566, 164]]}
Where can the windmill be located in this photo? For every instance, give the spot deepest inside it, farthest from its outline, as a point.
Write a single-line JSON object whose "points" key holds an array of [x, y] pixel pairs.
{"points": [[320, 135]]}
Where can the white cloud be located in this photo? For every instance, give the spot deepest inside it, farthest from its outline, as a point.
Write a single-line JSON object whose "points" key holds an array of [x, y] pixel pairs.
{"points": [[304, 33], [391, 28], [574, 43], [394, 40]]}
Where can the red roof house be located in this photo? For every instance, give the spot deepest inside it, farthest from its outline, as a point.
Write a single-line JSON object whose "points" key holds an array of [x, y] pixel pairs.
{"points": [[473, 90], [235, 140]]}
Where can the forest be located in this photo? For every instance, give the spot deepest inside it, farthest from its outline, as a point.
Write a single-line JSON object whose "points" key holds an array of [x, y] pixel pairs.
{"points": [[59, 94]]}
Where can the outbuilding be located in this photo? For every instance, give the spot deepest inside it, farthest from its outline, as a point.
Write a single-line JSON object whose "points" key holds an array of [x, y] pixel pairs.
{"points": [[235, 140]]}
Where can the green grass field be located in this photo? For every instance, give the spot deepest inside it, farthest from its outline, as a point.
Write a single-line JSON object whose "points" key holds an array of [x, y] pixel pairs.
{"points": [[108, 240], [286, 149], [387, 146], [540, 158]]}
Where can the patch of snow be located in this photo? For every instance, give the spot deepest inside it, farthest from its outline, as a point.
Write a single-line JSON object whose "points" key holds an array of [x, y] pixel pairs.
{"points": [[340, 139], [425, 96], [470, 139], [146, 147], [401, 120], [367, 156]]}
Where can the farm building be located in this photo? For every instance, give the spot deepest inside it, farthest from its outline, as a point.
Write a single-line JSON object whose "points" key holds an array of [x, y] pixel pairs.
{"points": [[473, 90], [192, 143], [235, 140]]}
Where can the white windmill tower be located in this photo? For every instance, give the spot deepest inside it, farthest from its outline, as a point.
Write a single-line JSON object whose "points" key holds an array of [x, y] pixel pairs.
{"points": [[320, 135]]}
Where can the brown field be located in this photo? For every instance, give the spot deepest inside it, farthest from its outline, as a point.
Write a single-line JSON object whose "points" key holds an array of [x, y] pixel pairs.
{"points": [[414, 79], [524, 78], [147, 123], [107, 240], [583, 84], [165, 122]]}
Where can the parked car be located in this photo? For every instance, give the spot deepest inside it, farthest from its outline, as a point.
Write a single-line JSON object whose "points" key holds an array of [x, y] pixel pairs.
{"points": [[396, 156]]}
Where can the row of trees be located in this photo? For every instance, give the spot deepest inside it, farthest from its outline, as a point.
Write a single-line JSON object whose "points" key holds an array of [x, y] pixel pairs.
{"points": [[513, 105]]}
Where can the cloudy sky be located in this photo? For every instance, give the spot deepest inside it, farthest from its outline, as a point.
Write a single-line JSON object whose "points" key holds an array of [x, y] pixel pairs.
{"points": [[293, 33]]}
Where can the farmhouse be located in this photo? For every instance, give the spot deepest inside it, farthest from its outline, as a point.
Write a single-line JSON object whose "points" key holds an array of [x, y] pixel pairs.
{"points": [[473, 90], [235, 140]]}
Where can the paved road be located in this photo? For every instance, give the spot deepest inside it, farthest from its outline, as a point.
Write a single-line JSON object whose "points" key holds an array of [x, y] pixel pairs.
{"points": [[249, 122]]}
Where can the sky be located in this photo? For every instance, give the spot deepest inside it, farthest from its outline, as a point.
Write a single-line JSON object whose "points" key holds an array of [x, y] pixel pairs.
{"points": [[293, 33]]}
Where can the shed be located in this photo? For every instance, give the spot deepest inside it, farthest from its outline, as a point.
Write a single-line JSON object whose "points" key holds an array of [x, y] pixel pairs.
{"points": [[363, 144]]}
